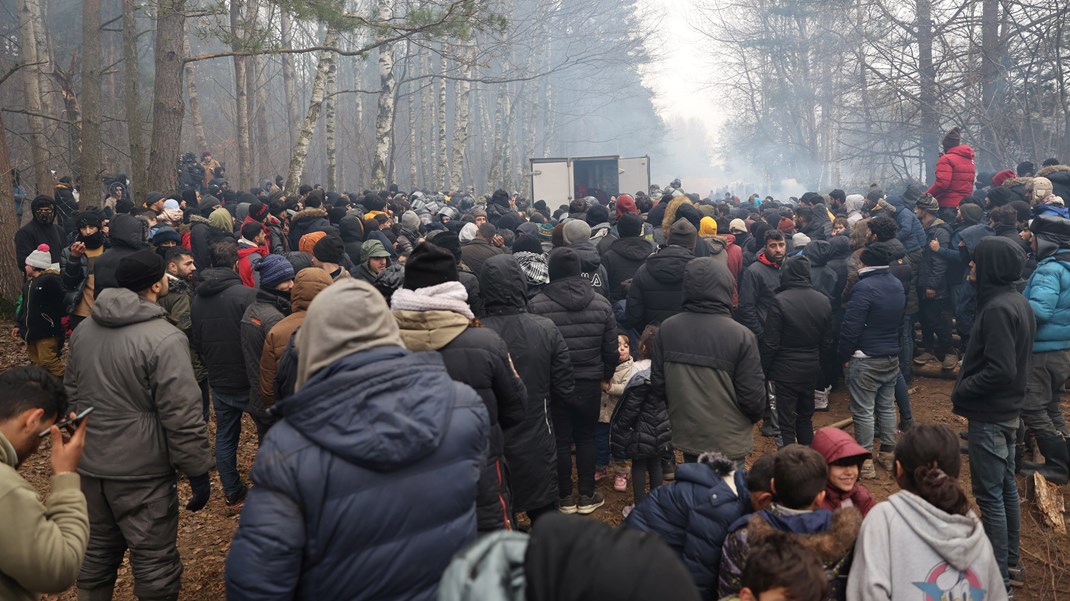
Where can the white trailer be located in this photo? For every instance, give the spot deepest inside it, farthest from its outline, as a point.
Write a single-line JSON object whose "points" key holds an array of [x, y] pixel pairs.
{"points": [[558, 181]]}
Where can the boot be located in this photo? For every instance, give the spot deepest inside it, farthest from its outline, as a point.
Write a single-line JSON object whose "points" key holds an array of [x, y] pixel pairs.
{"points": [[1056, 466]]}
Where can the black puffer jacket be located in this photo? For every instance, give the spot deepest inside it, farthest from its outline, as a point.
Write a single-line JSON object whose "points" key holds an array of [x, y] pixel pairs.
{"points": [[591, 264], [933, 269], [585, 320], [352, 232], [34, 234], [128, 235], [657, 288], [756, 291], [202, 235], [541, 358], [640, 428], [622, 260], [219, 302], [312, 219], [797, 327]]}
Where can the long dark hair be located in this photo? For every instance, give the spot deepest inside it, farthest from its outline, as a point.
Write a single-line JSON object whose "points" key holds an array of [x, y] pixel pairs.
{"points": [[929, 455]]}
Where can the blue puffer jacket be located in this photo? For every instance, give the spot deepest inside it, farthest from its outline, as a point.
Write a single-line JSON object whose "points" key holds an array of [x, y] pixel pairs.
{"points": [[874, 313], [693, 515], [911, 233], [1048, 293], [340, 509]]}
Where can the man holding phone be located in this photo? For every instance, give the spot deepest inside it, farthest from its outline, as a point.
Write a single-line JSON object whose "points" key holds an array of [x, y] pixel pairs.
{"points": [[44, 543]]}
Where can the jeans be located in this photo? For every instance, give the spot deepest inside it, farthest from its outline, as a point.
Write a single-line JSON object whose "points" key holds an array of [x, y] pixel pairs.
{"points": [[902, 401], [228, 411], [991, 448], [871, 382], [906, 348], [935, 316], [641, 468], [575, 423], [795, 412], [1041, 412]]}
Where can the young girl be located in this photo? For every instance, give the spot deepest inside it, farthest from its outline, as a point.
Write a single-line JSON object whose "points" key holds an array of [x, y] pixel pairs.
{"points": [[639, 428], [845, 458], [925, 541], [611, 394]]}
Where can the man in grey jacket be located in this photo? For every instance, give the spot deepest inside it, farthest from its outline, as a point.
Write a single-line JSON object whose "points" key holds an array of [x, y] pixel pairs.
{"points": [[133, 368]]}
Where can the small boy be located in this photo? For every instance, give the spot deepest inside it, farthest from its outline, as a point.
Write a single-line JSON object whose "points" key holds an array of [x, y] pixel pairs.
{"points": [[693, 513], [40, 314], [779, 570], [799, 477], [611, 394]]}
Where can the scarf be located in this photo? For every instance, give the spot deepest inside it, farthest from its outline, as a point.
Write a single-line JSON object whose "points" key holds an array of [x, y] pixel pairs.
{"points": [[534, 267], [447, 296]]}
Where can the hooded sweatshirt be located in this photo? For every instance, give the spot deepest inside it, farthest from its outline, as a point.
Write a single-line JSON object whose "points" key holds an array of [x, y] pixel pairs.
{"points": [[908, 549]]}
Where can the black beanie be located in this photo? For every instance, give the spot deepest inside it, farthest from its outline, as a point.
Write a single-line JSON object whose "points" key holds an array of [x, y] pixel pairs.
{"points": [[152, 198], [429, 265], [88, 219], [527, 243], [630, 225], [597, 215], [140, 270], [449, 241], [329, 249], [564, 262], [875, 255]]}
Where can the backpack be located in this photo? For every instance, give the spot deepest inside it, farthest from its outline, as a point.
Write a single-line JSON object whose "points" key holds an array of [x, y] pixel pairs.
{"points": [[286, 373]]}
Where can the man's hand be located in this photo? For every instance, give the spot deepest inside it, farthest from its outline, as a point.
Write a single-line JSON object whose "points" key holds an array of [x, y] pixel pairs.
{"points": [[930, 293], [77, 250], [67, 452], [605, 386], [202, 491], [498, 241], [934, 245]]}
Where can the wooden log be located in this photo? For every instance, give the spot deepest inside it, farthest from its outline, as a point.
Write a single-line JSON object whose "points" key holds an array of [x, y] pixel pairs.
{"points": [[1050, 502], [843, 423], [933, 370]]}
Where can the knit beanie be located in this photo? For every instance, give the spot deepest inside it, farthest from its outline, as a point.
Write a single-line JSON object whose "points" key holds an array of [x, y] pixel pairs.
{"points": [[597, 215], [630, 225], [468, 232], [708, 227], [971, 213], [800, 240], [527, 243], [410, 221], [330, 249], [258, 210], [166, 233], [785, 225], [952, 139], [150, 199], [564, 262], [309, 240], [1002, 176], [928, 203], [576, 231], [298, 260], [88, 219], [875, 255], [626, 204], [429, 265], [737, 226], [449, 241], [682, 233], [40, 258], [171, 204], [138, 271], [274, 270]]}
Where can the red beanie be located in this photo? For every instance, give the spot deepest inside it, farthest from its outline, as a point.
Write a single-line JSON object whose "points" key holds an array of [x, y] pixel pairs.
{"points": [[786, 225], [626, 204], [1002, 176]]}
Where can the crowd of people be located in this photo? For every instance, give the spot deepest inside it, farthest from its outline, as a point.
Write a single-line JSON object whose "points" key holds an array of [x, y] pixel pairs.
{"points": [[422, 368]]}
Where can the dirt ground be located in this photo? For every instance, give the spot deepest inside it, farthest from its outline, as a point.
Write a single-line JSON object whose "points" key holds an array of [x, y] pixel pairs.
{"points": [[204, 537]]}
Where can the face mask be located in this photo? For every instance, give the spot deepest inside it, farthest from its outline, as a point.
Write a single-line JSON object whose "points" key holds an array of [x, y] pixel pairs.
{"points": [[93, 241], [43, 217]]}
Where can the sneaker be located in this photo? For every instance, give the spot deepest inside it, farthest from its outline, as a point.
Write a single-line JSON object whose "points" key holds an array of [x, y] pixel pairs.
{"points": [[950, 362], [627, 510], [923, 358], [821, 400], [587, 505], [237, 498], [886, 461], [620, 482], [1016, 575], [567, 504], [867, 472], [600, 473]]}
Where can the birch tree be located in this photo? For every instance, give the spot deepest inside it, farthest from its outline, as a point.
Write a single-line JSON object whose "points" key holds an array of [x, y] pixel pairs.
{"points": [[299, 153], [384, 117]]}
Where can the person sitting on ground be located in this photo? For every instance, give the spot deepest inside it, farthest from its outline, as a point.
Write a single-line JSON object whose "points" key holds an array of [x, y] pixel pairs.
{"points": [[845, 458], [799, 477], [925, 537], [44, 543], [779, 569]]}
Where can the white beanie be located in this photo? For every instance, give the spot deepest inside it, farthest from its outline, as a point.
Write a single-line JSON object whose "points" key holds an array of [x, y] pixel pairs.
{"points": [[40, 258], [468, 232], [800, 240]]}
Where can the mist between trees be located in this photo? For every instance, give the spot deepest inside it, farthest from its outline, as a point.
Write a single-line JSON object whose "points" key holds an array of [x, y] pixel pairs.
{"points": [[851, 92]]}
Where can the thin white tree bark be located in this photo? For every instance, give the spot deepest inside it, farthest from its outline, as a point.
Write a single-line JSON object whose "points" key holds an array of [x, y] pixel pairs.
{"points": [[299, 153], [31, 87], [460, 122], [330, 139], [289, 79], [384, 117], [442, 165]]}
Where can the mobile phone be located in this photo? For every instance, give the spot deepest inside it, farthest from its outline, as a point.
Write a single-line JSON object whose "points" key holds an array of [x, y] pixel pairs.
{"points": [[70, 423]]}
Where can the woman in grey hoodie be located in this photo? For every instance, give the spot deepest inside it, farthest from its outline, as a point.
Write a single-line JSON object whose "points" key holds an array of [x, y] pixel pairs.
{"points": [[925, 540]]}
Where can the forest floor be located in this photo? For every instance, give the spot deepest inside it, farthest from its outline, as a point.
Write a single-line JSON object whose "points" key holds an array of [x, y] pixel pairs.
{"points": [[204, 537]]}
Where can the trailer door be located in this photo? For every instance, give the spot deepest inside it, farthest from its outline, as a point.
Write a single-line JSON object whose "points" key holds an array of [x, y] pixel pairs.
{"points": [[634, 174], [551, 180]]}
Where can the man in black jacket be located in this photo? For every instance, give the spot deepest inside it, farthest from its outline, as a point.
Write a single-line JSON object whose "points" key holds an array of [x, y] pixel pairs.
{"points": [[757, 292], [625, 255], [128, 234], [657, 288], [218, 305], [991, 390], [796, 334], [933, 289], [42, 229], [586, 322]]}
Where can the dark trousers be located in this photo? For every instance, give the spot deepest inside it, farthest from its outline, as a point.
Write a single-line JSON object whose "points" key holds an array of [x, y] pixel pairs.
{"points": [[574, 423], [140, 515], [795, 412], [935, 317], [641, 469]]}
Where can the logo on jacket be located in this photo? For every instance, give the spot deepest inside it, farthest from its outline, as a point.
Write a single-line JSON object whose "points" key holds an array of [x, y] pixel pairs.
{"points": [[945, 583]]}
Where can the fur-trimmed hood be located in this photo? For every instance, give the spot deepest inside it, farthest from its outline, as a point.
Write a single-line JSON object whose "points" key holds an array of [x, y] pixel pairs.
{"points": [[309, 213], [830, 545], [1046, 171]]}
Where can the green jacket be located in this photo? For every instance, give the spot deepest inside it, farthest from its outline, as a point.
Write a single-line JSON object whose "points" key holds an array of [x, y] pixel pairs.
{"points": [[44, 544]]}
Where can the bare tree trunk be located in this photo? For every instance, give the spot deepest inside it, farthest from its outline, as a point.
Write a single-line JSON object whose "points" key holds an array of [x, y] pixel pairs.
{"points": [[194, 99], [167, 106], [289, 78], [413, 98], [241, 98], [299, 153], [442, 166], [31, 87], [384, 117], [50, 93], [460, 121], [92, 60], [990, 52], [930, 124], [330, 118], [10, 279], [132, 99]]}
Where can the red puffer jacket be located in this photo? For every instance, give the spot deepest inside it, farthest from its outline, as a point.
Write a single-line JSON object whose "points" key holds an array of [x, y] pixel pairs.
{"points": [[955, 173]]}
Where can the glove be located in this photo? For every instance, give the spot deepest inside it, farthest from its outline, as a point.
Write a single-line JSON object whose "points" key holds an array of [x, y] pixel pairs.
{"points": [[202, 491]]}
